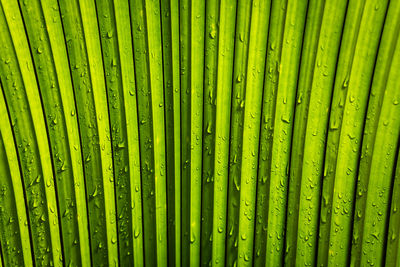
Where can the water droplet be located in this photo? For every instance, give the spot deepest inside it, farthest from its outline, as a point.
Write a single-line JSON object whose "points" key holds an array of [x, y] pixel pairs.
{"points": [[346, 82], [137, 233], [285, 119], [209, 128], [213, 33], [94, 194], [192, 238], [38, 178], [66, 213], [299, 99]]}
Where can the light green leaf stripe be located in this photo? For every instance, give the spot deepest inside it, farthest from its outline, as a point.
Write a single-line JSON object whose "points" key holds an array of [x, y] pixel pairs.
{"points": [[197, 24], [177, 125]]}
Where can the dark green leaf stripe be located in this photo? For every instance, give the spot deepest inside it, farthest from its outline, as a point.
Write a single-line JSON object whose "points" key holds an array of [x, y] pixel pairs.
{"points": [[170, 42], [184, 45], [177, 125], [14, 234], [209, 125]]}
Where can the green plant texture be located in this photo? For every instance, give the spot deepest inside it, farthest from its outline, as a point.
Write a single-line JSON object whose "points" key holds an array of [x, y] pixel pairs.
{"points": [[199, 133]]}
